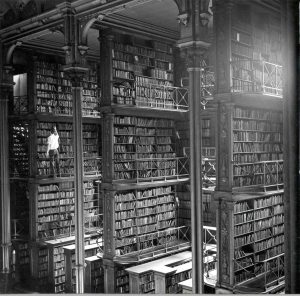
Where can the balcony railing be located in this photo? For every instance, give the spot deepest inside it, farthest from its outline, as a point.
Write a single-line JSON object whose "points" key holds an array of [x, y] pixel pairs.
{"points": [[93, 222], [252, 76], [92, 166], [153, 169], [63, 111], [263, 174], [20, 105], [208, 172], [274, 272], [163, 97], [207, 85], [155, 244]]}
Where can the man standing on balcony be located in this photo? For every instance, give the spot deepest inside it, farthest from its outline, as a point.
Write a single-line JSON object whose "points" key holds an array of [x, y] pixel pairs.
{"points": [[53, 153]]}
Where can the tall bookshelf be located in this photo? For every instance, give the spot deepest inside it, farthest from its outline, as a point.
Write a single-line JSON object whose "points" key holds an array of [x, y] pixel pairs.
{"points": [[255, 147], [141, 108], [45, 100], [249, 191], [256, 232], [256, 61]]}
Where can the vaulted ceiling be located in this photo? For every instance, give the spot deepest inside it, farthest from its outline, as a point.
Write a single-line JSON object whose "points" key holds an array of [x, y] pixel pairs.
{"points": [[157, 17]]}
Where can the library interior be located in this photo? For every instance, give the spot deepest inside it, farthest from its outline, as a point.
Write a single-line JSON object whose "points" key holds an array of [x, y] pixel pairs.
{"points": [[149, 146]]}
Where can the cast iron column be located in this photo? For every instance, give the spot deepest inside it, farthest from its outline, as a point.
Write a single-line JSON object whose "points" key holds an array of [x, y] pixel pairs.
{"points": [[76, 76], [6, 92], [76, 68], [196, 170], [193, 44]]}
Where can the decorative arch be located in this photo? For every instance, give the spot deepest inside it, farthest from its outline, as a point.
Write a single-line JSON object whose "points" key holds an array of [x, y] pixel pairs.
{"points": [[87, 26], [10, 51]]}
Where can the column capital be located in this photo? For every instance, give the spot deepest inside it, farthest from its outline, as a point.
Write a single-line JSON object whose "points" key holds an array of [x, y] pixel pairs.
{"points": [[76, 74], [195, 53], [7, 76]]}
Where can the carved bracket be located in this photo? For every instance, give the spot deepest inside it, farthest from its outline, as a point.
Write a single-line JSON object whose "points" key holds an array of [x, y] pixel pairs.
{"points": [[183, 18], [82, 49]]}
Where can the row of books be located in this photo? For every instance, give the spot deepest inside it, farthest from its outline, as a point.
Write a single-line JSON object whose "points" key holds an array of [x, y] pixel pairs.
{"points": [[259, 114], [252, 157], [254, 125], [257, 136], [257, 147]]}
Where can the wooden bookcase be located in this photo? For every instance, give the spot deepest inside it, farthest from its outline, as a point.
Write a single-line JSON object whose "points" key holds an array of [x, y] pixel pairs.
{"points": [[94, 275], [69, 257]]}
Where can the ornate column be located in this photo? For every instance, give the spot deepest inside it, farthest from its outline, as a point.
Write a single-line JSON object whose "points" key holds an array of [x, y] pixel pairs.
{"points": [[76, 68], [194, 43], [6, 92], [223, 196], [224, 147]]}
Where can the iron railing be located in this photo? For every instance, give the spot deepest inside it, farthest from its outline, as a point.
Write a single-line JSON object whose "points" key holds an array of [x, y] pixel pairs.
{"points": [[253, 76], [207, 85], [262, 173], [273, 271], [20, 105], [93, 222], [20, 166], [208, 172], [162, 97], [151, 169], [155, 244]]}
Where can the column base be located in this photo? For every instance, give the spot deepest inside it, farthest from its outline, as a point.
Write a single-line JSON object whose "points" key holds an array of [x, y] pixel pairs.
{"points": [[109, 276], [7, 282]]}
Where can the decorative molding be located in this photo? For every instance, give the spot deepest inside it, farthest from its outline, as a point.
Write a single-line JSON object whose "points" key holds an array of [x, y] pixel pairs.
{"points": [[225, 243], [194, 56], [223, 146], [109, 244], [82, 49]]}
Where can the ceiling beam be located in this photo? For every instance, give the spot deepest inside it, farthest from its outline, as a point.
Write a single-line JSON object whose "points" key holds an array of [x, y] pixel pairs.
{"points": [[127, 24]]}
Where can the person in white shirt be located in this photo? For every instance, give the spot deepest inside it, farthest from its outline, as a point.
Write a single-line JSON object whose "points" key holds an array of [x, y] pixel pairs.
{"points": [[53, 153]]}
